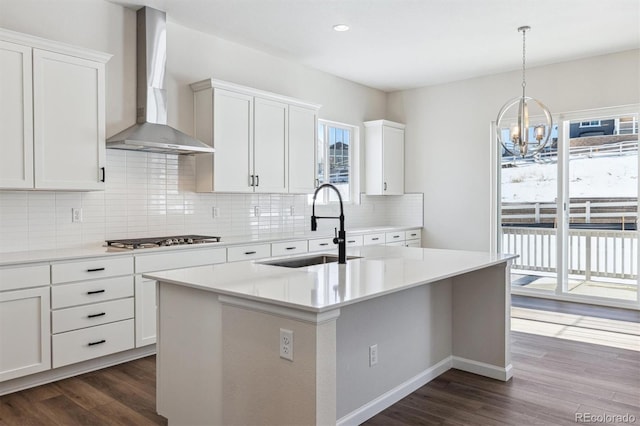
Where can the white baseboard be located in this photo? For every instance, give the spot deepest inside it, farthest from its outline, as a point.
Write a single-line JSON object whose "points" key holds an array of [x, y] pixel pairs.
{"points": [[49, 376], [389, 398], [482, 369]]}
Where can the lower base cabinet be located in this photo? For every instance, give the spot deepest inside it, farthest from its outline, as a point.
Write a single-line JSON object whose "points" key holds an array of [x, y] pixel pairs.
{"points": [[146, 308], [92, 342], [25, 327]]}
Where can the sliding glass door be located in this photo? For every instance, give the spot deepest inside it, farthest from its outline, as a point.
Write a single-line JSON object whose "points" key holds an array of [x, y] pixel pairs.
{"points": [[571, 212]]}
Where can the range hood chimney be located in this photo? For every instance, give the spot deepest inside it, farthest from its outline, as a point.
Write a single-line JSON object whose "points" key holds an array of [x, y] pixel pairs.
{"points": [[151, 132]]}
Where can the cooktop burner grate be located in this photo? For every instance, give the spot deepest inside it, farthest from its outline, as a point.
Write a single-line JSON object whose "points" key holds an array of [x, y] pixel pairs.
{"points": [[139, 243]]}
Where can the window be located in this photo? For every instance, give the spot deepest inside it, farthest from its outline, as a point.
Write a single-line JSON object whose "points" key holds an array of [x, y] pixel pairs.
{"points": [[335, 159], [592, 123]]}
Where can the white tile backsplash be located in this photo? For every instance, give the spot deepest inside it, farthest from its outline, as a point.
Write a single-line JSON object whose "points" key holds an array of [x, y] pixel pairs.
{"points": [[154, 195]]}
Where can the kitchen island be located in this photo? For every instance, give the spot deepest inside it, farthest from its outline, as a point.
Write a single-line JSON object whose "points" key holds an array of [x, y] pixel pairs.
{"points": [[365, 334]]}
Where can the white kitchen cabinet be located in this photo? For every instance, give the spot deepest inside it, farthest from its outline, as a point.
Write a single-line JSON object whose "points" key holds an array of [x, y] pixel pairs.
{"points": [[384, 152], [53, 115], [92, 308], [303, 125], [25, 339], [16, 116], [270, 146], [251, 132], [146, 289]]}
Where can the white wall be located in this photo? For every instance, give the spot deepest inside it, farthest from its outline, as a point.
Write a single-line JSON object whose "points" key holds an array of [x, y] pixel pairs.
{"points": [[448, 135]]}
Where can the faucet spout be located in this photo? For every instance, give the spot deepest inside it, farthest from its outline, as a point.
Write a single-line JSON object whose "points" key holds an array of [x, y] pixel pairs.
{"points": [[341, 239]]}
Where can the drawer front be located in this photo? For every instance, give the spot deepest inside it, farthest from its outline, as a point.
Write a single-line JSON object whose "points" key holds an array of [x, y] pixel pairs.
{"points": [[321, 244], [90, 315], [179, 259], [15, 278], [91, 269], [92, 342], [413, 243], [412, 235], [392, 237], [254, 251], [67, 295], [396, 244], [289, 247], [355, 241], [372, 239]]}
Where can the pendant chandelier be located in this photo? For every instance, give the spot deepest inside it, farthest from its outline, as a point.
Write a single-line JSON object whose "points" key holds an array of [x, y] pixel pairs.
{"points": [[525, 139]]}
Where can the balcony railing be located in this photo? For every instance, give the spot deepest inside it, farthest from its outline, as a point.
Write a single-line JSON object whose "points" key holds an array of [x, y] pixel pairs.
{"points": [[592, 252]]}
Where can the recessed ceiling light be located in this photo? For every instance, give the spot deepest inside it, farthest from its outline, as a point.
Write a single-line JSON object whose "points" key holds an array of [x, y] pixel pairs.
{"points": [[341, 27]]}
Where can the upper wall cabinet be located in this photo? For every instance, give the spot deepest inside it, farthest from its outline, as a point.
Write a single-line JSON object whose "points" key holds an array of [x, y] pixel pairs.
{"points": [[384, 153], [52, 115], [263, 142]]}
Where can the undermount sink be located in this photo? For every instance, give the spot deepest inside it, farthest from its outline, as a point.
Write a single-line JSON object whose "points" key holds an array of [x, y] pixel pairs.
{"points": [[301, 262]]}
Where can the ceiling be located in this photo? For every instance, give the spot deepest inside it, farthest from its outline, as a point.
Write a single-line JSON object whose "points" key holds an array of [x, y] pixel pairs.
{"points": [[402, 44]]}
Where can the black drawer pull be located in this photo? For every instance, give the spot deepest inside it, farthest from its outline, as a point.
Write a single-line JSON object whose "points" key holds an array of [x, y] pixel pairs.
{"points": [[324, 244], [101, 314], [290, 248], [396, 236], [375, 239], [97, 343], [95, 270], [413, 235], [95, 292], [351, 241], [249, 252]]}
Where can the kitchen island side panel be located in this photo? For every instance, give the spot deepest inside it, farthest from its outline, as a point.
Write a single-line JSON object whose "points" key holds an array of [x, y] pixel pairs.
{"points": [[412, 331]]}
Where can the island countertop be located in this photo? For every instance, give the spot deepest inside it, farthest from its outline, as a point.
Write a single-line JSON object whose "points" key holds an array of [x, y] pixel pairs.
{"points": [[379, 270]]}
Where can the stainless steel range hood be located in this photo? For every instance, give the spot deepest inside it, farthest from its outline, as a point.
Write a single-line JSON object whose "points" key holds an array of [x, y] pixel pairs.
{"points": [[151, 132]]}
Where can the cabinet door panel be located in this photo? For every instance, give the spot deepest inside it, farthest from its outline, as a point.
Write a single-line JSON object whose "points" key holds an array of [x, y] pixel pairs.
{"points": [[393, 159], [25, 343], [69, 140], [146, 308], [233, 133], [16, 119], [270, 145], [302, 146]]}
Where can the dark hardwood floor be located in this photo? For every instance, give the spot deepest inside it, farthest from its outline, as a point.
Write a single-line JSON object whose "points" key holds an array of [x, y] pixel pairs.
{"points": [[553, 381]]}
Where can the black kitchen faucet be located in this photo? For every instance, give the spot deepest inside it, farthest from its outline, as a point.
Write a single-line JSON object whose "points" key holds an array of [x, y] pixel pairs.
{"points": [[340, 238]]}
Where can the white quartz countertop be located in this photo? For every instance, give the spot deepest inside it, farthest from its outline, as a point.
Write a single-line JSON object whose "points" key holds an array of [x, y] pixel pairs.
{"points": [[380, 270], [40, 256]]}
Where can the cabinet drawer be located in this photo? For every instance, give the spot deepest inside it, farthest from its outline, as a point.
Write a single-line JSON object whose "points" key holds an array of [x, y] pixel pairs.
{"points": [[179, 259], [392, 237], [63, 296], [91, 315], [92, 342], [289, 247], [413, 243], [321, 244], [372, 239], [254, 251], [355, 241], [412, 235], [17, 277], [396, 244], [91, 269]]}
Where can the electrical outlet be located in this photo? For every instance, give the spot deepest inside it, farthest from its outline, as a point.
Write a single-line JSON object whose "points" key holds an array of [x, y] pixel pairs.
{"points": [[256, 211], [373, 355], [76, 215], [215, 212], [286, 344]]}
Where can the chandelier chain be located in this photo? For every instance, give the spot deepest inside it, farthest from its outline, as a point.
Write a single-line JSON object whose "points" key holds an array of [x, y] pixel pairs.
{"points": [[524, 52]]}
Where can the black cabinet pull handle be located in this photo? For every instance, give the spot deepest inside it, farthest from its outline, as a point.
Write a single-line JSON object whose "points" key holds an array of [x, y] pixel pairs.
{"points": [[324, 244], [101, 314], [385, 186], [95, 270], [249, 252], [104, 174], [396, 236], [375, 239], [95, 292], [351, 241], [97, 343], [290, 248], [413, 235], [257, 180]]}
